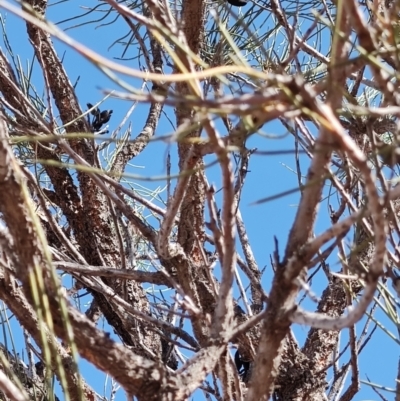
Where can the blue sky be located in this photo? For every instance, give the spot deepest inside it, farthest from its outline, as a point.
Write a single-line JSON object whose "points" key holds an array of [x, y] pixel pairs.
{"points": [[269, 175]]}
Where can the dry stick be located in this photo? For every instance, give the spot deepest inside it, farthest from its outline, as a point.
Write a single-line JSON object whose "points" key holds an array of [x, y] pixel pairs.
{"points": [[297, 158], [227, 374], [104, 62], [341, 374], [374, 389], [157, 278], [355, 382], [244, 240], [333, 178], [243, 292], [345, 197], [248, 324], [340, 380], [224, 309], [390, 210], [119, 237], [165, 249], [151, 206], [320, 240], [251, 276], [375, 208], [145, 230], [10, 389], [47, 87], [270, 348], [99, 286], [334, 231], [27, 105], [29, 347], [56, 228], [95, 345], [217, 235], [251, 262], [208, 267], [168, 165], [213, 224], [223, 315], [343, 226], [241, 105]]}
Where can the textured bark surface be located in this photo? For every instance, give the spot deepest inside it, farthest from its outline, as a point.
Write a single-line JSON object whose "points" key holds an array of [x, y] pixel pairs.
{"points": [[173, 281]]}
